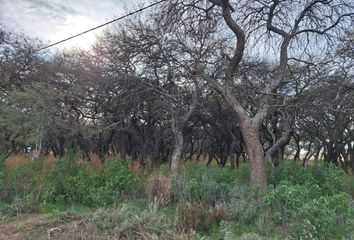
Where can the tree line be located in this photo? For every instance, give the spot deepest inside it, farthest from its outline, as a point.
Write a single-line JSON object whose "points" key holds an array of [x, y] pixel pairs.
{"points": [[220, 80]]}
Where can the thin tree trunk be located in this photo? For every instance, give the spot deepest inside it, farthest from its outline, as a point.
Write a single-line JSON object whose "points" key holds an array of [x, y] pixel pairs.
{"points": [[298, 148], [238, 161], [177, 151], [318, 151], [307, 156], [233, 161]]}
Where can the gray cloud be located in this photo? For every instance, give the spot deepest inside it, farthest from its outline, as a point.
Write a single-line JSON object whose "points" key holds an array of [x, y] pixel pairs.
{"points": [[51, 6], [49, 19]]}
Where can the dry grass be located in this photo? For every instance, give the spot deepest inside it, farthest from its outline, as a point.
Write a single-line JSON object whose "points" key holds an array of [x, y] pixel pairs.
{"points": [[17, 160], [159, 191]]}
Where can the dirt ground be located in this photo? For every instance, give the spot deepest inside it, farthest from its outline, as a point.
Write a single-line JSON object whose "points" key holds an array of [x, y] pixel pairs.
{"points": [[16, 229]]}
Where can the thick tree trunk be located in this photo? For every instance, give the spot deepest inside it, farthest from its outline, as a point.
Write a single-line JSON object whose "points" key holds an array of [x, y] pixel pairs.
{"points": [[250, 133], [177, 151]]}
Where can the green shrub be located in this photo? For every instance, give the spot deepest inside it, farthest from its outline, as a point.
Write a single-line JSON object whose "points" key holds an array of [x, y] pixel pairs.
{"points": [[329, 177], [245, 204], [204, 189], [201, 183], [59, 180], [88, 188], [180, 191], [24, 183], [328, 217], [293, 173], [243, 174], [165, 169], [284, 201], [310, 211], [104, 187], [234, 230], [218, 174], [7, 210], [69, 182]]}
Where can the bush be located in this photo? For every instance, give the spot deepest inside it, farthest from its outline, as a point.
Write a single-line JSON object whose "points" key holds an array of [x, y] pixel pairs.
{"points": [[284, 201], [158, 191], [245, 204], [201, 183], [194, 216], [294, 173], [69, 182], [243, 174], [233, 230], [328, 217], [219, 174], [24, 184], [104, 187], [328, 177], [7, 210], [309, 211], [204, 189], [59, 179], [180, 191]]}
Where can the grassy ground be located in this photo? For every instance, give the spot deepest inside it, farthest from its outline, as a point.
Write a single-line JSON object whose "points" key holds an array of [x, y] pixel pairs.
{"points": [[67, 199]]}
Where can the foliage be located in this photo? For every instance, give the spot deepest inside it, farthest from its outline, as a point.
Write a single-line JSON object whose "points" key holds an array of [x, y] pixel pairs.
{"points": [[245, 205], [7, 210], [105, 187], [243, 174], [294, 173], [59, 179], [218, 174], [328, 177], [310, 211], [24, 184], [201, 183], [68, 181], [203, 202], [328, 217], [284, 201]]}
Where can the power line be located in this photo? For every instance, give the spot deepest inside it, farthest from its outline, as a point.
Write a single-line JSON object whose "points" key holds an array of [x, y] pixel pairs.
{"points": [[99, 26]]}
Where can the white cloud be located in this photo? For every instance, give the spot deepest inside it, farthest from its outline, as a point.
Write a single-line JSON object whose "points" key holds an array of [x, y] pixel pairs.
{"points": [[53, 20]]}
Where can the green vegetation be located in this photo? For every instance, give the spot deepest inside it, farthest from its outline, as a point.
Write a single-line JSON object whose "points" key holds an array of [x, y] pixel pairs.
{"points": [[201, 203]]}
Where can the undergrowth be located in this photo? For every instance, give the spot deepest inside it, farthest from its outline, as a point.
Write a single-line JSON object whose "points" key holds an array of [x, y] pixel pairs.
{"points": [[200, 203]]}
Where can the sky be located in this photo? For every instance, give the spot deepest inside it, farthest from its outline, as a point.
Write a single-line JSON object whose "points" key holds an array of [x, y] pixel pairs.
{"points": [[54, 20]]}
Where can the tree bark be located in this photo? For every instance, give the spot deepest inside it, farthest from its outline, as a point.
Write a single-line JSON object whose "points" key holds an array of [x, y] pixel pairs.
{"points": [[177, 151], [250, 133]]}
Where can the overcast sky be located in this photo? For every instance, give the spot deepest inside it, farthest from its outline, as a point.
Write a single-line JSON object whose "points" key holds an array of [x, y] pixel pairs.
{"points": [[53, 20]]}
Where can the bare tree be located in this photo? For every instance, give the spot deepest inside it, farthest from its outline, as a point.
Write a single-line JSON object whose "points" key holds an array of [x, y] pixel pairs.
{"points": [[293, 25]]}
